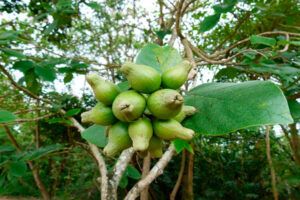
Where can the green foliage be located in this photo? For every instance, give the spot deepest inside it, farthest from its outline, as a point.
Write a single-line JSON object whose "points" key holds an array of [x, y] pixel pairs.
{"points": [[227, 107]]}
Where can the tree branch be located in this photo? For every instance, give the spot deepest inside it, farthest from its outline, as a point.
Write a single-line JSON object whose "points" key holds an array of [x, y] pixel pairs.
{"points": [[121, 165], [155, 172], [180, 175], [273, 174]]}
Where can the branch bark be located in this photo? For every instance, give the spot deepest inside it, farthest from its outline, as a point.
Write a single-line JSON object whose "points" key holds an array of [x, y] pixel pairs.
{"points": [[154, 172], [273, 174], [146, 169], [121, 165]]}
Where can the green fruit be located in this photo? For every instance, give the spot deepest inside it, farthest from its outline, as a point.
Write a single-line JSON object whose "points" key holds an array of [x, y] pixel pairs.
{"points": [[129, 106], [105, 91], [141, 78], [155, 147], [140, 132], [118, 139], [100, 114], [176, 76], [171, 129], [185, 112], [165, 103]]}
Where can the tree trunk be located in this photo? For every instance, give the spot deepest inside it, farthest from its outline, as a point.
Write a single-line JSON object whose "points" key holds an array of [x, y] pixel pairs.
{"points": [[188, 193]]}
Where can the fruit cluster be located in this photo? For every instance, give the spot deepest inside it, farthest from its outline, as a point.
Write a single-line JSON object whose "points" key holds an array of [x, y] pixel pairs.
{"points": [[151, 111]]}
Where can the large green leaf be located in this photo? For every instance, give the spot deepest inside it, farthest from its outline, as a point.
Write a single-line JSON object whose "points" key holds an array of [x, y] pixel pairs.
{"points": [[6, 116], [95, 134], [227, 107], [160, 58], [209, 22]]}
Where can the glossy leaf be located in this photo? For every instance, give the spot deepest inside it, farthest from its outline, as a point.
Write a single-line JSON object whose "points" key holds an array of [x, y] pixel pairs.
{"points": [[96, 135], [6, 116], [227, 107], [209, 22], [160, 58]]}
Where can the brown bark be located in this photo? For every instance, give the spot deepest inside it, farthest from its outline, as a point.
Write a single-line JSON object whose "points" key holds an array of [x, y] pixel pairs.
{"points": [[295, 142], [188, 193], [180, 176], [146, 169]]}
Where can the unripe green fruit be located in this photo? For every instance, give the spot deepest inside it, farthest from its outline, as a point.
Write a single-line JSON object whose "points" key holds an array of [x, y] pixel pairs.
{"points": [[129, 106], [100, 114], [105, 91], [141, 78], [155, 147], [185, 112], [176, 76], [140, 132], [118, 139], [171, 129], [165, 103]]}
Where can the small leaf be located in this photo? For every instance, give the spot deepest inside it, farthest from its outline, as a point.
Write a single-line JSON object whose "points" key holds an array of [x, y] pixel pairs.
{"points": [[256, 39], [124, 86], [132, 172], [123, 182], [23, 66], [6, 148], [296, 43], [6, 116], [18, 168], [162, 33], [72, 112], [224, 7], [45, 73], [9, 35], [41, 152], [295, 109], [180, 145], [209, 22], [13, 53], [95, 134], [94, 5], [68, 77]]}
